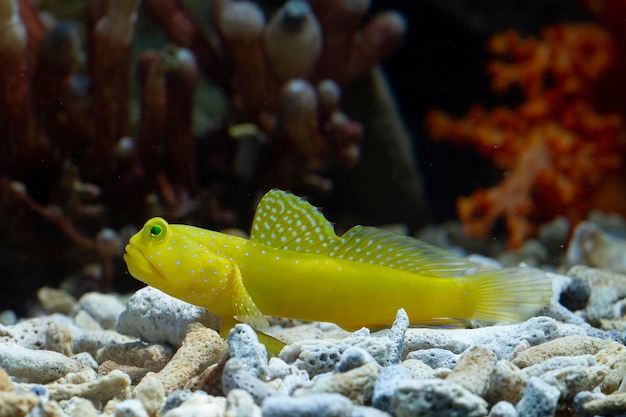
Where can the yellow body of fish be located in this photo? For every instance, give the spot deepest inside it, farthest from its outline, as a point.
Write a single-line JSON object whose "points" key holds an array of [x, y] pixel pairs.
{"points": [[295, 266]]}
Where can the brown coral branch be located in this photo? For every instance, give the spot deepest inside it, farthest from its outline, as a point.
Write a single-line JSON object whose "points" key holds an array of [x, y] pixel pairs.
{"points": [[293, 41], [111, 63], [15, 99], [151, 129], [339, 21], [34, 27], [344, 136], [241, 25], [299, 118], [181, 75], [15, 191], [185, 30], [54, 101], [375, 42]]}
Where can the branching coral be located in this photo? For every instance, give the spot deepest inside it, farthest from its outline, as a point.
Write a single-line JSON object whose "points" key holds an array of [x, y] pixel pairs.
{"points": [[281, 62], [74, 155], [555, 148]]}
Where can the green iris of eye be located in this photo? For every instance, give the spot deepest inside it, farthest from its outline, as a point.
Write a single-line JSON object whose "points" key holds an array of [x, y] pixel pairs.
{"points": [[156, 230]]}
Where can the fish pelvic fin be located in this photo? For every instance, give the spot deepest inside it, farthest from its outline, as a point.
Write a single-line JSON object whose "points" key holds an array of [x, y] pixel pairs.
{"points": [[288, 222], [272, 344], [246, 311], [509, 294]]}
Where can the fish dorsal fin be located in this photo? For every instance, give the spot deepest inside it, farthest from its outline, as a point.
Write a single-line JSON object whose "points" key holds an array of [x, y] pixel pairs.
{"points": [[285, 221], [381, 247]]}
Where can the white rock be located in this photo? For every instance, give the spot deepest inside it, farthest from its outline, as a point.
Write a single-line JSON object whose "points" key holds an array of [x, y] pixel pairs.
{"points": [[98, 389], [236, 376], [92, 341], [506, 383], [352, 358], [503, 340], [539, 399], [154, 316], [557, 311], [79, 407], [319, 356], [291, 383], [8, 317], [244, 345], [606, 289], [37, 366], [574, 379], [435, 357], [31, 333], [46, 409], [319, 405], [241, 404], [418, 369], [503, 409], [278, 369], [130, 408], [363, 411], [385, 388], [436, 398], [104, 308], [583, 398], [86, 321], [592, 246], [474, 370], [558, 363], [199, 406], [396, 334], [86, 359], [152, 396], [177, 397]]}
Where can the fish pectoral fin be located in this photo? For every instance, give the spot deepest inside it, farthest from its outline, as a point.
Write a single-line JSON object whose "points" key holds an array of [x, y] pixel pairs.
{"points": [[245, 309]]}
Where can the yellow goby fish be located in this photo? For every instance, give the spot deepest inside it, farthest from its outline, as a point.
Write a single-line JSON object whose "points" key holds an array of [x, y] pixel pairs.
{"points": [[295, 266]]}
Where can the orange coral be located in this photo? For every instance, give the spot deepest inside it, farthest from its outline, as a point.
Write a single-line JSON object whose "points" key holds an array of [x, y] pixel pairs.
{"points": [[555, 148]]}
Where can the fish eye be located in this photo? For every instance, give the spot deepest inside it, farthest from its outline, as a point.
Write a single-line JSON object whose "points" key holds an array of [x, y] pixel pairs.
{"points": [[155, 229]]}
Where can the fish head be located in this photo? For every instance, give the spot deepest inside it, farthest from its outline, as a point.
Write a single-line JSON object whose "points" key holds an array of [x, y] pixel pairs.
{"points": [[178, 260], [142, 248]]}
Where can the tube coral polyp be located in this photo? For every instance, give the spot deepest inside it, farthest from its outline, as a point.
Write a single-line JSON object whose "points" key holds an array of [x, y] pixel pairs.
{"points": [[556, 149]]}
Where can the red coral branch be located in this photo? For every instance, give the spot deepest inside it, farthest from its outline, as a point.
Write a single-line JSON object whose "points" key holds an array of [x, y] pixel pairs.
{"points": [[555, 147]]}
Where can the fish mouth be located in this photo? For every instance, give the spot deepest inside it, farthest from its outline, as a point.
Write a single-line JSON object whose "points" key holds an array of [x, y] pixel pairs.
{"points": [[138, 265]]}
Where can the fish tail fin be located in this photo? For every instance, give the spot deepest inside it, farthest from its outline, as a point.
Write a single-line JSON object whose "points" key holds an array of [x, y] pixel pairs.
{"points": [[510, 294]]}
